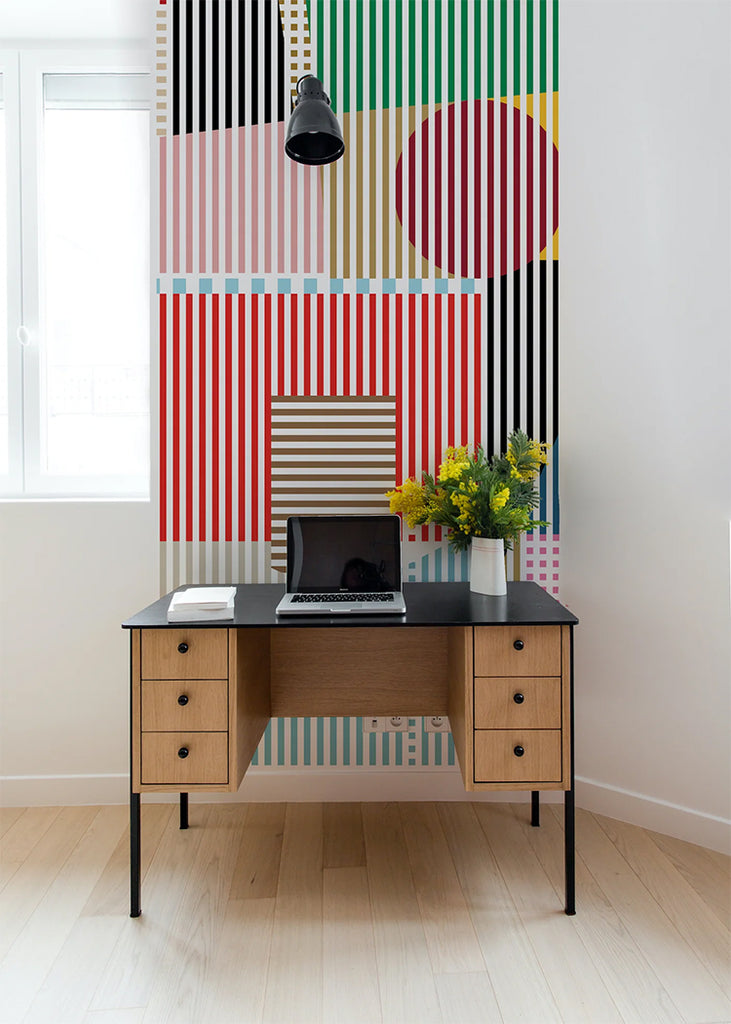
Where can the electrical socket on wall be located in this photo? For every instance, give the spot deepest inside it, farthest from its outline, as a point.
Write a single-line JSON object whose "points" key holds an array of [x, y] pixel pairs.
{"points": [[397, 723], [436, 723]]}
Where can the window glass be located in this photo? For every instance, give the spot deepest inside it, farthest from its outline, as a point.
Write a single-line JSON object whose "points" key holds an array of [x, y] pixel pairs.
{"points": [[94, 277]]}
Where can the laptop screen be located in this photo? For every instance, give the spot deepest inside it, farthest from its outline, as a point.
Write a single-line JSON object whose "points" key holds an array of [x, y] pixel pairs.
{"points": [[343, 553]]}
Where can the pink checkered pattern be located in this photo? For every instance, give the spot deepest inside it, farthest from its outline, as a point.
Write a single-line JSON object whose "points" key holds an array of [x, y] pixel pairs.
{"points": [[540, 560]]}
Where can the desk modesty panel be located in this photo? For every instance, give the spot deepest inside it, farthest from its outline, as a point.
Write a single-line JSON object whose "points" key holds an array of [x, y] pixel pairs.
{"points": [[499, 667]]}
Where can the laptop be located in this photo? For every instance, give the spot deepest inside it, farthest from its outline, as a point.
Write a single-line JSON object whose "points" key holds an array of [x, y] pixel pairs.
{"points": [[343, 565]]}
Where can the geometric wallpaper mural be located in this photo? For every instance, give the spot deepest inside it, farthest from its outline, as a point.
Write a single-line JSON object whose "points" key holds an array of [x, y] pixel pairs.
{"points": [[405, 297]]}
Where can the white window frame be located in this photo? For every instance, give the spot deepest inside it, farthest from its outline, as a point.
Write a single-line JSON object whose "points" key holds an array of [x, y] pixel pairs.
{"points": [[23, 79]]}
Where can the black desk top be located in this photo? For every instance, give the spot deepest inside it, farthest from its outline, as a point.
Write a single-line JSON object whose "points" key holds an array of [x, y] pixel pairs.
{"points": [[427, 604]]}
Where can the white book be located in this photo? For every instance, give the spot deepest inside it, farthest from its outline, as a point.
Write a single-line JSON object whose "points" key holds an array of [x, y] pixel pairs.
{"points": [[202, 604]]}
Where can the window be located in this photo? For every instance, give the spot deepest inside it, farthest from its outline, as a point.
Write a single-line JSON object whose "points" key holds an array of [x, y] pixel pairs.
{"points": [[74, 287]]}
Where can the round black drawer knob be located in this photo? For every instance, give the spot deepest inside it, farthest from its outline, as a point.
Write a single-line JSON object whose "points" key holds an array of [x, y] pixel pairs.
{"points": [[183, 752], [518, 751], [183, 699], [518, 645], [518, 698], [182, 648]]}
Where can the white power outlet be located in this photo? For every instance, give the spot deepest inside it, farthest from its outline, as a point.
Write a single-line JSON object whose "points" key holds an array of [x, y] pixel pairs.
{"points": [[436, 723], [397, 723]]}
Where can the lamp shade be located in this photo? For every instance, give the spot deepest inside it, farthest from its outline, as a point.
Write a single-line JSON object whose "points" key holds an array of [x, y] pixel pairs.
{"points": [[313, 132]]}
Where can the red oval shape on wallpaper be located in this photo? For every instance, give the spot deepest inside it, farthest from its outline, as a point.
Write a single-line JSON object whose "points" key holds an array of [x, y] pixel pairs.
{"points": [[476, 190]]}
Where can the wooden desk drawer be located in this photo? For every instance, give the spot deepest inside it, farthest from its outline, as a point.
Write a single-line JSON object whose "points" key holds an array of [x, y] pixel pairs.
{"points": [[206, 761], [497, 761], [517, 651], [531, 702], [184, 653], [177, 705]]}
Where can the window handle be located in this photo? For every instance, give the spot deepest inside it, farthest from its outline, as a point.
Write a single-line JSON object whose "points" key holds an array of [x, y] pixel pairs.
{"points": [[23, 336]]}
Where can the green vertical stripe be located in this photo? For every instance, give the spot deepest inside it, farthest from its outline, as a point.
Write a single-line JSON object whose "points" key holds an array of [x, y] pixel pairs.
{"points": [[424, 53], [398, 53], [293, 751], [516, 47], [529, 47], [268, 744], [307, 744], [542, 46], [555, 46], [334, 741], [359, 55], [478, 51], [346, 741], [450, 52], [346, 55], [504, 50], [437, 51], [320, 726], [386, 62], [359, 740], [373, 65], [332, 80], [465, 43], [320, 55], [385, 749], [412, 55], [491, 49], [280, 741]]}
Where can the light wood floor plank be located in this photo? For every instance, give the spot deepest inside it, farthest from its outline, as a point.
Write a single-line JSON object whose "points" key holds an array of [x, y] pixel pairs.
{"points": [[708, 871], [689, 984], [28, 884], [294, 983], [572, 975], [344, 846], [467, 999], [633, 985], [450, 934], [111, 893], [408, 991], [9, 815], [179, 994], [520, 987], [37, 946], [257, 868], [236, 980], [700, 928], [132, 969], [350, 971], [133, 1015], [24, 830]]}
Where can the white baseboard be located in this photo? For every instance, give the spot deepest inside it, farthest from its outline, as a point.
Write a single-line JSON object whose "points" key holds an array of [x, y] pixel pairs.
{"points": [[275, 785], [657, 815]]}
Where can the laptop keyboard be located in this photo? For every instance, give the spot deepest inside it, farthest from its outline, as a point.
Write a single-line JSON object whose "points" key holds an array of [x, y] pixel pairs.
{"points": [[346, 598]]}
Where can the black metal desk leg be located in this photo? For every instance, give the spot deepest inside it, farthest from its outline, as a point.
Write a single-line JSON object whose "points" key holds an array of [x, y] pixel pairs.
{"points": [[134, 858], [535, 809], [570, 851], [183, 810]]}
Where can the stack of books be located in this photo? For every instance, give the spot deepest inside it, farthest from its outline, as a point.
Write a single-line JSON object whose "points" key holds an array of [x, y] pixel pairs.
{"points": [[202, 604]]}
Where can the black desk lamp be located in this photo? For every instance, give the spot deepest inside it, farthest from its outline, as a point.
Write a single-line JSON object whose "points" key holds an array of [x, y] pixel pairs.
{"points": [[313, 132]]}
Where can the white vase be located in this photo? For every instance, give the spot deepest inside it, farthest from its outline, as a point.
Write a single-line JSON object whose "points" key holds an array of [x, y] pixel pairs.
{"points": [[487, 566]]}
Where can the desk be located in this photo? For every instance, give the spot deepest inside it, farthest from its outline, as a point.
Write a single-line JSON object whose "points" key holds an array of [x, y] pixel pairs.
{"points": [[501, 668]]}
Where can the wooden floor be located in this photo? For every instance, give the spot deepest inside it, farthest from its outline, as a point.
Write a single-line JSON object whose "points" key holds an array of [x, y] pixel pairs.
{"points": [[350, 913]]}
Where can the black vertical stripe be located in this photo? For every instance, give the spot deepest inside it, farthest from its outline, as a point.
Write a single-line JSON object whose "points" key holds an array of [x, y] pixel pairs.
{"points": [[243, 56], [542, 352], [215, 63], [202, 50], [503, 439], [267, 61], [489, 395], [228, 64], [529, 354], [281, 74], [517, 360], [175, 69], [188, 9], [254, 50]]}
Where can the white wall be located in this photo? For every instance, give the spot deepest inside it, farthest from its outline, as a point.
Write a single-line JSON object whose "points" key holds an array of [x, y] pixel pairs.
{"points": [[645, 432]]}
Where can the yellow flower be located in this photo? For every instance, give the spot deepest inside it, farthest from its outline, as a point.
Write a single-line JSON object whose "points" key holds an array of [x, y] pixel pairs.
{"points": [[500, 500], [456, 462], [409, 500]]}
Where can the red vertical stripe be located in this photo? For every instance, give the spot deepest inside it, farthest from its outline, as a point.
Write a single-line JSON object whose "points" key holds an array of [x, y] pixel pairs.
{"points": [[163, 204], [294, 388], [346, 344], [516, 188], [477, 190], [385, 347], [189, 417], [189, 204], [358, 344], [439, 122], [242, 487], [468, 228], [176, 419], [307, 343], [228, 171], [255, 336], [490, 188], [215, 413], [477, 372], [265, 469], [465, 427], [437, 391], [163, 397], [202, 203], [427, 371], [228, 414], [372, 347], [280, 344], [398, 359], [202, 430], [412, 426], [451, 191], [320, 354], [215, 213], [503, 188], [333, 345], [176, 212], [451, 354]]}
